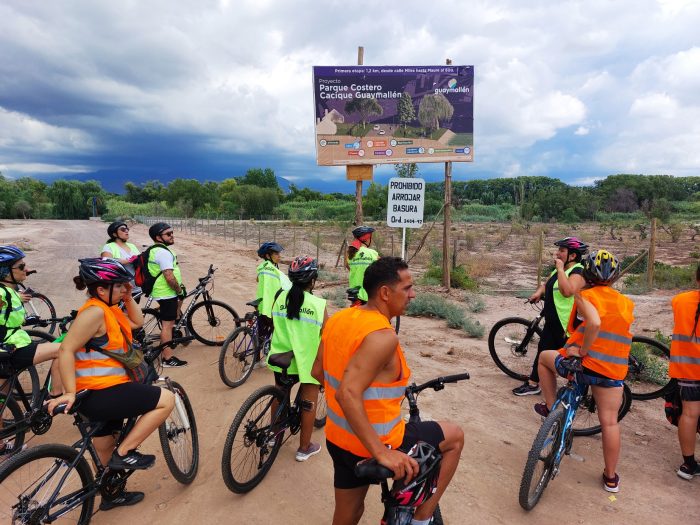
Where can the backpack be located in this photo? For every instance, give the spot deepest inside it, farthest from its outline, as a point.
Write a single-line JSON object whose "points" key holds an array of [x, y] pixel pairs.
{"points": [[673, 406], [142, 277]]}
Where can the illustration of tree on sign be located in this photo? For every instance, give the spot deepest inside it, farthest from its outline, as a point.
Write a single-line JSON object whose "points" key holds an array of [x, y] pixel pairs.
{"points": [[432, 110], [405, 109], [366, 107]]}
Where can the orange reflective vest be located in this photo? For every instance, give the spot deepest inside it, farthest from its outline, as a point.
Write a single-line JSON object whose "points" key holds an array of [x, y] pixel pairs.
{"points": [[609, 352], [685, 342], [95, 370], [343, 335]]}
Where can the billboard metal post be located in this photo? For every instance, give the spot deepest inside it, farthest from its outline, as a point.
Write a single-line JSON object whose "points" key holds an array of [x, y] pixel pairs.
{"points": [[358, 182], [447, 222]]}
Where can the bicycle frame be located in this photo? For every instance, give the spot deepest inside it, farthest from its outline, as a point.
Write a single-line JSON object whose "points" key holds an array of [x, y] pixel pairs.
{"points": [[36, 419], [569, 398]]}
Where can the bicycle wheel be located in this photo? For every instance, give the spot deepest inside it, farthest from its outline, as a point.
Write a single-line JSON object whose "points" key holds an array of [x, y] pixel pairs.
{"points": [[29, 378], [150, 331], [11, 414], [510, 349], [179, 439], [211, 321], [647, 376], [251, 444], [29, 479], [40, 306], [237, 357], [541, 460], [321, 410], [586, 420]]}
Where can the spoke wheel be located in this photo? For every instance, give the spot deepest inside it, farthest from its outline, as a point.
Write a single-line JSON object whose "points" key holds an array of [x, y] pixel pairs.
{"points": [[150, 331], [251, 444], [11, 414], [179, 439], [510, 349], [647, 376], [211, 322], [586, 421], [40, 306], [237, 357]]}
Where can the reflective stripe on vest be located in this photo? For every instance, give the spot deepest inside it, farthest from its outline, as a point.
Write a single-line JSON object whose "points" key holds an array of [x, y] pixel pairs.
{"points": [[563, 305], [343, 335], [608, 354], [15, 335], [685, 343], [95, 370]]}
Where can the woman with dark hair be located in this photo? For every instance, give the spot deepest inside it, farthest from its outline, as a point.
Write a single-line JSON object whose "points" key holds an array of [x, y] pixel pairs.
{"points": [[118, 247], [685, 368], [298, 318], [100, 330]]}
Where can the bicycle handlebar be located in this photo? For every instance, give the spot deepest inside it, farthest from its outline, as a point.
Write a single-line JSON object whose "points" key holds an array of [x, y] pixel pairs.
{"points": [[438, 383]]}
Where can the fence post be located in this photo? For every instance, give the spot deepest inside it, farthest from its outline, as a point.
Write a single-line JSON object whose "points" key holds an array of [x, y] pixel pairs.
{"points": [[294, 241], [259, 241], [233, 229], [540, 248], [652, 254], [318, 243]]}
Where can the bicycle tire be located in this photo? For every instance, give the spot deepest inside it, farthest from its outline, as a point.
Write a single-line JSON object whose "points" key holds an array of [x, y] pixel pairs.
{"points": [[238, 356], [397, 323], [11, 414], [582, 421], [183, 462], [250, 438], [150, 331], [321, 410], [647, 376], [220, 321], [504, 337], [26, 467], [43, 308], [550, 433]]}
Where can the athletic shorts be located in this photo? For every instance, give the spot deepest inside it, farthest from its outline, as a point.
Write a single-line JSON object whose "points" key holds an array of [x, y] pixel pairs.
{"points": [[690, 390], [344, 462], [168, 309], [23, 357], [587, 379], [116, 403]]}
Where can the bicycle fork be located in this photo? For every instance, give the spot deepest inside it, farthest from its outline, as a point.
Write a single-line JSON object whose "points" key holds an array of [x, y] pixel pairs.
{"points": [[179, 406]]}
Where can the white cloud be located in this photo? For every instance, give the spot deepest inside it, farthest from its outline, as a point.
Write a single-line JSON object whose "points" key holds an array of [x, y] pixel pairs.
{"points": [[582, 131]]}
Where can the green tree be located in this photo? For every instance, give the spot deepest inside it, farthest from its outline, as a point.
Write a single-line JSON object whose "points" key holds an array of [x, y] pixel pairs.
{"points": [[434, 109], [365, 107], [374, 202], [405, 110], [408, 171], [261, 178]]}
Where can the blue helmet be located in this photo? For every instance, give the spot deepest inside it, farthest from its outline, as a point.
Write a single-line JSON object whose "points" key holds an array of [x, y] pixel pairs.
{"points": [[8, 256], [267, 247]]}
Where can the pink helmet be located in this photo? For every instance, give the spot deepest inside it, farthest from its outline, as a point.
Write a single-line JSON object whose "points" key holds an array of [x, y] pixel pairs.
{"points": [[103, 271], [574, 244]]}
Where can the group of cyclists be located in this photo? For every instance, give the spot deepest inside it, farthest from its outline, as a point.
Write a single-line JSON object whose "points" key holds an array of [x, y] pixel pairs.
{"points": [[355, 355]]}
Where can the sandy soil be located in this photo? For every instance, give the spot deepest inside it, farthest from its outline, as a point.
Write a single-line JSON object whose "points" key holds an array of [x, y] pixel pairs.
{"points": [[499, 427]]}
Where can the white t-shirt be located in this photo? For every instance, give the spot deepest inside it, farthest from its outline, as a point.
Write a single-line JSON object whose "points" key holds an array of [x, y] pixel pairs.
{"points": [[164, 258]]}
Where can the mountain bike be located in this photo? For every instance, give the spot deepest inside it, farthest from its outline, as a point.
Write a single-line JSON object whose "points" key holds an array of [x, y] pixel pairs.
{"points": [[52, 481], [376, 473], [356, 301], [208, 320], [555, 437], [513, 346], [243, 350], [38, 307], [258, 430]]}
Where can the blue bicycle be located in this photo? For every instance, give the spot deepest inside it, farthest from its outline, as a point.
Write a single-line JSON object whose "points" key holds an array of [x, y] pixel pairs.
{"points": [[556, 435]]}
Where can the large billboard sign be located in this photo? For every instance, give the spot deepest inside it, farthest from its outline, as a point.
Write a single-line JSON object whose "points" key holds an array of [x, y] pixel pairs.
{"points": [[393, 114]]}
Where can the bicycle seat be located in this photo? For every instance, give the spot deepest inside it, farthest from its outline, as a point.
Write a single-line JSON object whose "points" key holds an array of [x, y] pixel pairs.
{"points": [[254, 303], [372, 471], [79, 398], [281, 360]]}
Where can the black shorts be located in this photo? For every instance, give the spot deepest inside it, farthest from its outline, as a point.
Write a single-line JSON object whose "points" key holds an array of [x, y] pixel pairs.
{"points": [[112, 405], [23, 357], [168, 309], [690, 390], [344, 462]]}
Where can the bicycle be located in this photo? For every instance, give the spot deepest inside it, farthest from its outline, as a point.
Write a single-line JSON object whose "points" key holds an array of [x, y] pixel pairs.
{"points": [[376, 473], [38, 307], [217, 318], [242, 349], [352, 295], [556, 436], [258, 432], [52, 481], [513, 346]]}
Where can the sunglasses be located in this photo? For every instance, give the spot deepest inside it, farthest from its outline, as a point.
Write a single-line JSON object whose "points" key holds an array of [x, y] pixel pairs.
{"points": [[168, 234], [123, 229], [20, 267]]}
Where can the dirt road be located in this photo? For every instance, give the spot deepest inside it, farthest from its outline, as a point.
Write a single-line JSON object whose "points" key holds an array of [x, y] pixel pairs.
{"points": [[499, 427]]}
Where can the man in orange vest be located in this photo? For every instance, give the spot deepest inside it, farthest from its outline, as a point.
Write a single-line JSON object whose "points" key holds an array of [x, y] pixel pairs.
{"points": [[600, 334], [365, 374], [685, 367]]}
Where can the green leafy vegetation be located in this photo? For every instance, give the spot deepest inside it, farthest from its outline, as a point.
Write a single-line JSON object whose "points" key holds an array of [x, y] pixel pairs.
{"points": [[433, 305]]}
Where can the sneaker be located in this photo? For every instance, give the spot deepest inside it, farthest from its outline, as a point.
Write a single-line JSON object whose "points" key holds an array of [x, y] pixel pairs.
{"points": [[312, 450], [686, 472], [611, 484], [260, 363], [134, 460], [541, 409], [526, 389], [8, 448], [124, 499], [173, 362]]}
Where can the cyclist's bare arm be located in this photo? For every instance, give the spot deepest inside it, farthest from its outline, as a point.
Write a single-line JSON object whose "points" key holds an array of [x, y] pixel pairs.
{"points": [[375, 360], [568, 285], [133, 312], [590, 315], [538, 294], [317, 368], [110, 256], [172, 282]]}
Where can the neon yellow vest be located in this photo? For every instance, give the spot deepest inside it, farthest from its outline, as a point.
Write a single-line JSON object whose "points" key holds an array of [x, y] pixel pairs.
{"points": [[270, 279], [116, 251], [161, 288], [358, 264], [15, 336], [561, 303]]}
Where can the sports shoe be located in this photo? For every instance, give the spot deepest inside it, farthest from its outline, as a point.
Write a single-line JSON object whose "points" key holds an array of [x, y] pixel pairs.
{"points": [[173, 362], [124, 499], [260, 363], [611, 484], [686, 472], [526, 389], [133, 460], [541, 409], [311, 450], [8, 448]]}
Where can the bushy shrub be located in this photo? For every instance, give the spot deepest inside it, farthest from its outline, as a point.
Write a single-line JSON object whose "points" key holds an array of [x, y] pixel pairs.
{"points": [[640, 267], [666, 277], [459, 278], [336, 297], [432, 305]]}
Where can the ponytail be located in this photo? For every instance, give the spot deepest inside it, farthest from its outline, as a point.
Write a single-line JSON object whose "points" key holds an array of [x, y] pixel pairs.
{"points": [[295, 300], [352, 251]]}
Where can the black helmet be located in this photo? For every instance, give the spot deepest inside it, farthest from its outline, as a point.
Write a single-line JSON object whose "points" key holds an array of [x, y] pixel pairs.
{"points": [[158, 228], [268, 247], [103, 271], [600, 267], [303, 269], [112, 229], [420, 488], [361, 231]]}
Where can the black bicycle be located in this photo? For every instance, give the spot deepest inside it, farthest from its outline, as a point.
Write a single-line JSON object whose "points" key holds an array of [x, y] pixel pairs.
{"points": [[48, 482], [208, 320], [376, 473], [258, 430], [513, 346], [39, 307]]}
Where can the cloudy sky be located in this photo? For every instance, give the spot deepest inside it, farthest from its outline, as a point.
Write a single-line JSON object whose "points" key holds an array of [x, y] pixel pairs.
{"points": [[136, 90]]}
